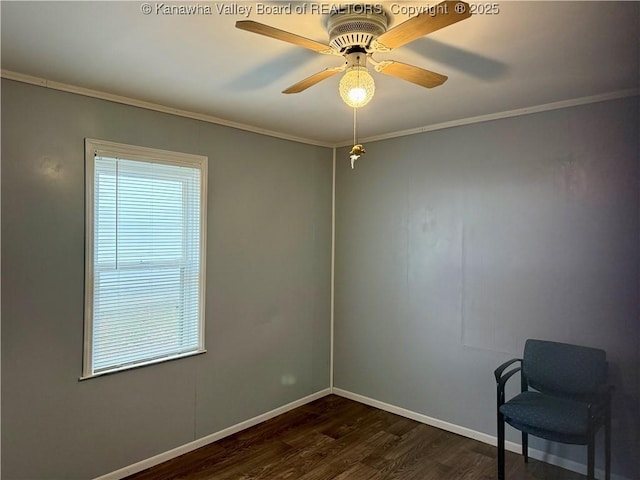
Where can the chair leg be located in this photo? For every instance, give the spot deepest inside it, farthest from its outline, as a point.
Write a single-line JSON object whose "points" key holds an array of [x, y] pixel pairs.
{"points": [[607, 447], [525, 447], [500, 446], [591, 458]]}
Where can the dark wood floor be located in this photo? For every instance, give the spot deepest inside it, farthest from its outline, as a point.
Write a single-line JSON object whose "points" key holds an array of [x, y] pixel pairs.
{"points": [[335, 438]]}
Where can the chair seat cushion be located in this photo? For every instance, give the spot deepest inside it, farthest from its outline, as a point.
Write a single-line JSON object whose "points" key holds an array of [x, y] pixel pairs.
{"points": [[553, 418]]}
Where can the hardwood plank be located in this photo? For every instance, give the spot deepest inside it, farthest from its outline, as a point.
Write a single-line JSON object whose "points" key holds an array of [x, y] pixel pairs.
{"points": [[338, 439], [359, 472], [408, 450]]}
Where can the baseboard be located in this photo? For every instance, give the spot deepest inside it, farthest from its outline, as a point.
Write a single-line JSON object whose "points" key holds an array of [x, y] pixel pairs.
{"points": [[201, 442], [473, 434]]}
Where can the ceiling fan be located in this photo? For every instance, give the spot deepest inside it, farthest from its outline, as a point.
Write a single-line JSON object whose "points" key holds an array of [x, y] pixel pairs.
{"points": [[356, 32]]}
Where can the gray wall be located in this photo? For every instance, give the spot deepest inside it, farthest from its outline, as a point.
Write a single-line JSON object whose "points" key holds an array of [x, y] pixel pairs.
{"points": [[454, 246], [268, 287]]}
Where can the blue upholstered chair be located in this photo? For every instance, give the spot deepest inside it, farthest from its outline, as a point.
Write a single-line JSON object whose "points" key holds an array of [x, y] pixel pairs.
{"points": [[568, 403]]}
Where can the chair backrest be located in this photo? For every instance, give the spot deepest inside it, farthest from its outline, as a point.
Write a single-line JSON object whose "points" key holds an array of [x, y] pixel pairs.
{"points": [[563, 369]]}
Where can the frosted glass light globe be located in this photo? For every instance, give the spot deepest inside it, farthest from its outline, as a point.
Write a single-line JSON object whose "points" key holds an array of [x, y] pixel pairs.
{"points": [[357, 86]]}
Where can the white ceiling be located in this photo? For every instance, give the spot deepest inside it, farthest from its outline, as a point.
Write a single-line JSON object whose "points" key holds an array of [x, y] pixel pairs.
{"points": [[530, 53]]}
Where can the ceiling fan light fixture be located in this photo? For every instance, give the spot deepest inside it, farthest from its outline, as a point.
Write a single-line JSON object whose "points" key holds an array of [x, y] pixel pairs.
{"points": [[357, 86]]}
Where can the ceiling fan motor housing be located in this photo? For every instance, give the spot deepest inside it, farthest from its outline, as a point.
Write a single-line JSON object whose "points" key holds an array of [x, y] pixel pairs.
{"points": [[355, 28]]}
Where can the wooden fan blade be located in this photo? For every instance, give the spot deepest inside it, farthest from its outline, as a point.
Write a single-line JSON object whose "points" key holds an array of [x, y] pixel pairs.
{"points": [[266, 30], [437, 17], [417, 75], [313, 79]]}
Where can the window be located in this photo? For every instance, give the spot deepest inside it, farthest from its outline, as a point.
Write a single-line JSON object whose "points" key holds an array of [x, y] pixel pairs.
{"points": [[145, 232]]}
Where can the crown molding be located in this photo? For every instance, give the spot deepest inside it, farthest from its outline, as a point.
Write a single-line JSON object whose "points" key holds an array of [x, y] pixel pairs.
{"points": [[546, 107], [65, 87], [43, 82]]}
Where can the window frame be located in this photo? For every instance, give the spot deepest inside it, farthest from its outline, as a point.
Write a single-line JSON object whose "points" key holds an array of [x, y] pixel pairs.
{"points": [[95, 147]]}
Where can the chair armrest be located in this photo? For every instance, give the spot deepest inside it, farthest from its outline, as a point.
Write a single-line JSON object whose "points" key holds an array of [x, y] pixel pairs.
{"points": [[498, 371], [501, 377]]}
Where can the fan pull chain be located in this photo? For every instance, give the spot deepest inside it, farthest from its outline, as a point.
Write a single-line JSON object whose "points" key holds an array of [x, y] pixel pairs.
{"points": [[358, 150], [355, 120]]}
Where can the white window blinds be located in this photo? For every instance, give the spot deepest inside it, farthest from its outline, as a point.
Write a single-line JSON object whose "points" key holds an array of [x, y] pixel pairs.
{"points": [[145, 256]]}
